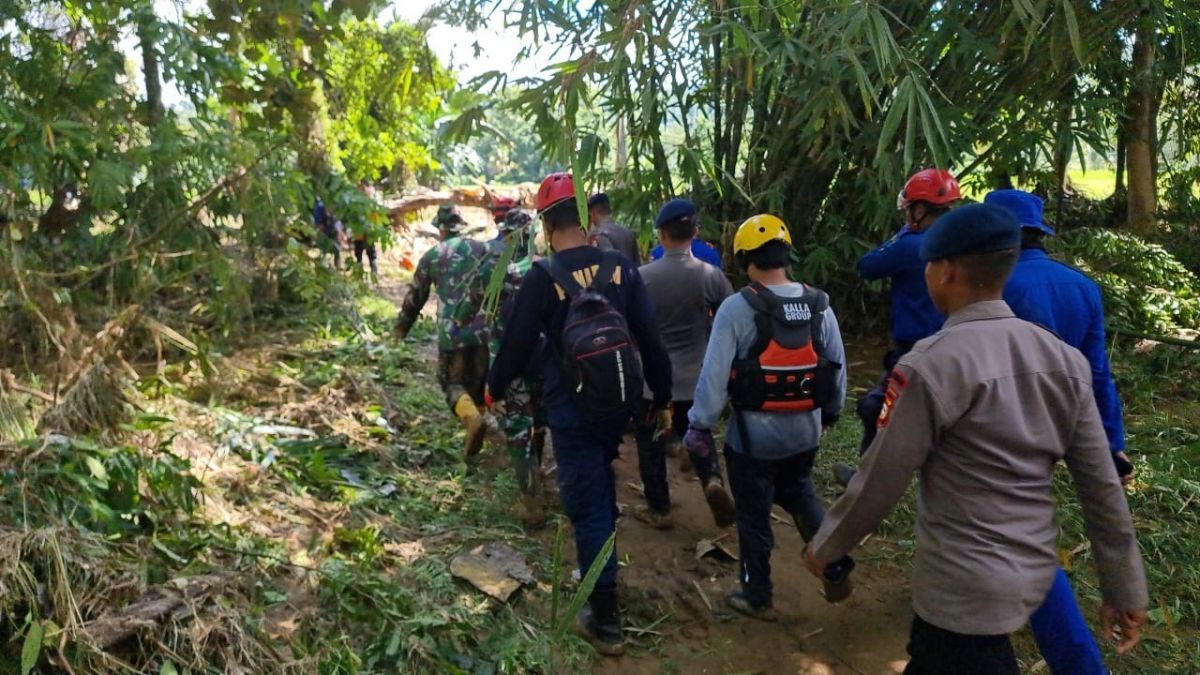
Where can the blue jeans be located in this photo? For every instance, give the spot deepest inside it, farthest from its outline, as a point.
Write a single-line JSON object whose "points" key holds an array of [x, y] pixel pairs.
{"points": [[584, 451], [1062, 635]]}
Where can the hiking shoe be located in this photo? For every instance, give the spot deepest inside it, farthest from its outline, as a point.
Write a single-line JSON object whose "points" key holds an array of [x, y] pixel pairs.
{"points": [[842, 473], [838, 584], [656, 519], [719, 502], [739, 602]]}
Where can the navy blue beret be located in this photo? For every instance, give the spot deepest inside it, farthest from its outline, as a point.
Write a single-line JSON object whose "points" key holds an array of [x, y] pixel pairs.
{"points": [[975, 228], [674, 210], [598, 199], [1025, 206]]}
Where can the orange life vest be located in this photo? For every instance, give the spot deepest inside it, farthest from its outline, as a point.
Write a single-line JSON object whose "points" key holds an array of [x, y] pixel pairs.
{"points": [[784, 371]]}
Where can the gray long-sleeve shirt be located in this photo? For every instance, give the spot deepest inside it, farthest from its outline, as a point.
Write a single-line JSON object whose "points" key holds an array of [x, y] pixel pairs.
{"points": [[984, 410], [772, 435], [685, 292]]}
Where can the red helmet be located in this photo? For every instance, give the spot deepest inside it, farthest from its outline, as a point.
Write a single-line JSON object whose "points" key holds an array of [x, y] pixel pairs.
{"points": [[502, 205], [556, 189], [935, 186]]}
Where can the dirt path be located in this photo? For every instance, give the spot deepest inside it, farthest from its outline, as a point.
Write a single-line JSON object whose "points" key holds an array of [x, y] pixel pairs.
{"points": [[866, 634]]}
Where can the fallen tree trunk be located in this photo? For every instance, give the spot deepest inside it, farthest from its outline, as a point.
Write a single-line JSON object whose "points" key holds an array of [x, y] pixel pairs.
{"points": [[478, 196], [176, 599]]}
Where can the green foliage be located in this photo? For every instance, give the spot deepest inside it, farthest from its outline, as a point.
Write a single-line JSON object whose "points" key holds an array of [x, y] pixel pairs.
{"points": [[114, 491], [817, 111], [1145, 287], [386, 90]]}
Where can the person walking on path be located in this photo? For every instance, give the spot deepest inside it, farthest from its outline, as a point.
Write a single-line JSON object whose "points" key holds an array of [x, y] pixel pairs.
{"points": [[596, 316], [776, 355], [927, 195], [1064, 300], [984, 409], [521, 414], [685, 293], [453, 266]]}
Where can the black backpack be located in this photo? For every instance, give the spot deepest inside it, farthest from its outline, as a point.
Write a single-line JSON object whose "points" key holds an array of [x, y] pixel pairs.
{"points": [[599, 356]]}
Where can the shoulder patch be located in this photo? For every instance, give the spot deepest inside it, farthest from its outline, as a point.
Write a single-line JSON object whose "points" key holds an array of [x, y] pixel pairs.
{"points": [[897, 381]]}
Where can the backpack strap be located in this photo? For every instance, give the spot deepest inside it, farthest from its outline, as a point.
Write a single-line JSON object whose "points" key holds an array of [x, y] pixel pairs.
{"points": [[609, 261], [818, 301], [761, 300], [560, 275]]}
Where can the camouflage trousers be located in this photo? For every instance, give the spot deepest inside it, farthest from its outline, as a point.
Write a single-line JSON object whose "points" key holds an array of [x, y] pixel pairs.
{"points": [[525, 432], [463, 371]]}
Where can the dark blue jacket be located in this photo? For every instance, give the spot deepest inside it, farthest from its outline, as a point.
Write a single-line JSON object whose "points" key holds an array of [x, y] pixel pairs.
{"points": [[913, 315], [700, 248], [541, 308], [1063, 299]]}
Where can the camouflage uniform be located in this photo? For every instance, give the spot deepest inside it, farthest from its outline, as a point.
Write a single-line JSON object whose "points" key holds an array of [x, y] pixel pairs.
{"points": [[524, 422], [459, 268]]}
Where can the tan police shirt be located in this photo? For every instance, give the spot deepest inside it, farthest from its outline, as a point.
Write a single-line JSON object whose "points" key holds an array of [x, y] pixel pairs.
{"points": [[685, 292], [984, 410]]}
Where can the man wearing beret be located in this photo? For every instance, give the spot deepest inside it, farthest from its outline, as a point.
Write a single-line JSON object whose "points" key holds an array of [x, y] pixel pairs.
{"points": [[984, 409], [685, 293], [1063, 299]]}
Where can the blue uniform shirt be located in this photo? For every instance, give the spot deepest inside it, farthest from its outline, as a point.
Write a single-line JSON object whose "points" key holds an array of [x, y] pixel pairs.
{"points": [[700, 248], [1063, 299], [913, 315]]}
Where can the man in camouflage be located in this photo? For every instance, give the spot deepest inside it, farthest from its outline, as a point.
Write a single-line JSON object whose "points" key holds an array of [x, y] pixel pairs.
{"points": [[456, 266], [521, 414]]}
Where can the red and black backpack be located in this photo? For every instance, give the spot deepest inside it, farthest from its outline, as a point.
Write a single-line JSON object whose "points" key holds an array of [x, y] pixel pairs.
{"points": [[784, 371]]}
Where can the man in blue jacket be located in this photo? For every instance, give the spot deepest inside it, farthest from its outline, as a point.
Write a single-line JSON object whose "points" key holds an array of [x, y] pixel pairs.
{"points": [[584, 447], [701, 250], [1064, 300], [927, 196]]}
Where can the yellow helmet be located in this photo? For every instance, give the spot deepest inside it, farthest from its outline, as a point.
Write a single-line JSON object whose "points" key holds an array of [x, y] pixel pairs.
{"points": [[759, 230]]}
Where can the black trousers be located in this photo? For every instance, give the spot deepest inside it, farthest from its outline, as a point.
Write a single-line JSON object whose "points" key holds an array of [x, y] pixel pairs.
{"points": [[757, 485], [870, 405], [652, 453], [937, 651]]}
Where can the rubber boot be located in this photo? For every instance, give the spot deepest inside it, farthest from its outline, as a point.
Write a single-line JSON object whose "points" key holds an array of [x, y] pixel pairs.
{"points": [[599, 622], [473, 422]]}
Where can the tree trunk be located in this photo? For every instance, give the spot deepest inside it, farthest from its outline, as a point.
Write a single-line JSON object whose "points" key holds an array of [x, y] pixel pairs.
{"points": [[1062, 148], [1140, 132], [146, 37], [1119, 186]]}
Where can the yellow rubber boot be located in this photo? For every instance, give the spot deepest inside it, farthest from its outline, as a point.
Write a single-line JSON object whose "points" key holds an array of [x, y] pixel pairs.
{"points": [[473, 422]]}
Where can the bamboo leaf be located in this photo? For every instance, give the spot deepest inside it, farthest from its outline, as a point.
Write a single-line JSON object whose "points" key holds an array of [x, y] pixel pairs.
{"points": [[1072, 21], [891, 123], [910, 132], [586, 586]]}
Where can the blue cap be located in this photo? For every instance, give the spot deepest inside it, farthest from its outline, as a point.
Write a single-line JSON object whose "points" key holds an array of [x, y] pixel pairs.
{"points": [[1025, 207], [975, 228], [674, 210]]}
